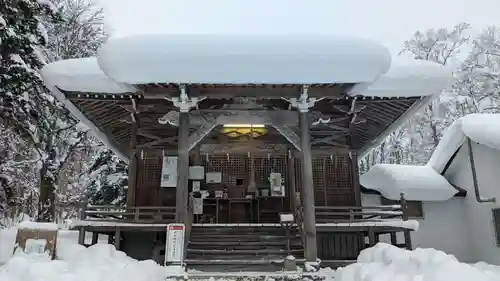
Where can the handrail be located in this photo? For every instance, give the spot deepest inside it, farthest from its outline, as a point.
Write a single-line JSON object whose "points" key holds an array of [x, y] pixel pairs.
{"points": [[133, 214], [331, 214]]}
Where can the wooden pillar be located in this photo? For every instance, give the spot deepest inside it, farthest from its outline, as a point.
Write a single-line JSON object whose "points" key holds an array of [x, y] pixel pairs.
{"points": [[133, 166], [406, 232], [355, 178], [95, 238], [291, 182], [182, 168], [311, 251], [81, 230], [118, 236]]}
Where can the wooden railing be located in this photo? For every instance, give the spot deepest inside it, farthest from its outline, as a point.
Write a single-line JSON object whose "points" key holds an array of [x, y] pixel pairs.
{"points": [[130, 214], [336, 214]]}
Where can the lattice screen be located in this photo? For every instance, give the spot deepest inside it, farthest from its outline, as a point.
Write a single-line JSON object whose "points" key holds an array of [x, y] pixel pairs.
{"points": [[339, 189], [331, 178], [148, 181], [232, 167], [266, 165]]}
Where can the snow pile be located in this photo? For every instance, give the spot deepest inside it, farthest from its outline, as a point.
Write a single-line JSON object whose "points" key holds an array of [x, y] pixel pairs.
{"points": [[64, 238], [77, 263], [385, 262], [420, 183]]}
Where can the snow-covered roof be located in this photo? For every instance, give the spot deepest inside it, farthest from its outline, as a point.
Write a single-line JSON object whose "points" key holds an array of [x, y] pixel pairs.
{"points": [[481, 128], [81, 75], [420, 183], [243, 59], [427, 181], [410, 78]]}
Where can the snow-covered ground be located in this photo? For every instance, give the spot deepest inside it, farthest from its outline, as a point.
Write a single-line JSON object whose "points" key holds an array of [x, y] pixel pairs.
{"points": [[102, 262]]}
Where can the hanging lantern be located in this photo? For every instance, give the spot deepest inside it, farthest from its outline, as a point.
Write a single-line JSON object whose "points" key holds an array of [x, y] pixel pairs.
{"points": [[238, 130]]}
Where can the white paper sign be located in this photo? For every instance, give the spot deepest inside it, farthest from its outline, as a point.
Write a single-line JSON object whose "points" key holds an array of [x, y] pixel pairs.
{"points": [[35, 246], [214, 177], [198, 206], [174, 250], [196, 172], [169, 172]]}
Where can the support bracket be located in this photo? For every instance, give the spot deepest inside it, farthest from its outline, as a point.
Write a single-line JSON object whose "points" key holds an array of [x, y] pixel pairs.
{"points": [[304, 102], [183, 102], [289, 134], [200, 133]]}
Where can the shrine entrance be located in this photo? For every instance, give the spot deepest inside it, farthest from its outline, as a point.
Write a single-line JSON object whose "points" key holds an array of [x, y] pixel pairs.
{"points": [[242, 188]]}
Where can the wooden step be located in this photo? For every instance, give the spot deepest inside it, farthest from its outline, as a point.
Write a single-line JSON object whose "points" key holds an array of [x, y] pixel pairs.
{"points": [[247, 252], [238, 243]]}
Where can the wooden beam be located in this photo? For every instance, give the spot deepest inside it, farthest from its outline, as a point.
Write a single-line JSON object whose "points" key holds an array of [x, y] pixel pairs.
{"points": [[329, 140], [133, 165], [169, 140], [182, 168], [311, 251]]}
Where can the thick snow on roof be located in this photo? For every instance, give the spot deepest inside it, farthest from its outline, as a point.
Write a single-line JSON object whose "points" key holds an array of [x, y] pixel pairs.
{"points": [[243, 59], [420, 183], [410, 78], [481, 128], [81, 75]]}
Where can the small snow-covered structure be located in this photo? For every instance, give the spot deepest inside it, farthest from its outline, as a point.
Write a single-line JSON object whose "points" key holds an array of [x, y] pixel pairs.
{"points": [[457, 190], [161, 101]]}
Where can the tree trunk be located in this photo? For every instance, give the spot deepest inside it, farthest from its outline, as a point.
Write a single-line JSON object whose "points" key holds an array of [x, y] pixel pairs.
{"points": [[46, 208]]}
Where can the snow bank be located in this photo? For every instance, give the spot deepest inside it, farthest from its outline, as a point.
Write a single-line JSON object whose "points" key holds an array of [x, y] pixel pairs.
{"points": [[64, 238], [419, 183], [385, 262], [77, 263], [243, 59]]}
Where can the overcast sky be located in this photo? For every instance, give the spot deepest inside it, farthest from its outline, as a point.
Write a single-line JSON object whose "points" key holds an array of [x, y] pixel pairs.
{"points": [[388, 21]]}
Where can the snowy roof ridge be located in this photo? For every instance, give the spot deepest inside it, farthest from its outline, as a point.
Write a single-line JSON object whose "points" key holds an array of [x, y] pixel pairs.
{"points": [[243, 59], [483, 128], [426, 183]]}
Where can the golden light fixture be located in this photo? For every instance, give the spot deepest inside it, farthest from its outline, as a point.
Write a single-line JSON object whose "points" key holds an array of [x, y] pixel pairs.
{"points": [[238, 130]]}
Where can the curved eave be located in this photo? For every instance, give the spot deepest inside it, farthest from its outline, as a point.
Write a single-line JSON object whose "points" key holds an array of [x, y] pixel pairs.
{"points": [[56, 78], [408, 78], [82, 75]]}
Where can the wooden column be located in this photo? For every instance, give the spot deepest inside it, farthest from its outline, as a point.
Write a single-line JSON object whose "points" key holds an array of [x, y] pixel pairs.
{"points": [[118, 238], [311, 251], [133, 166], [291, 183], [182, 167]]}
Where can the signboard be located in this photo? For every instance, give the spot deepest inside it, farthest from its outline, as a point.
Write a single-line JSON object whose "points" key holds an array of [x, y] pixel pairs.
{"points": [[169, 172], [174, 250]]}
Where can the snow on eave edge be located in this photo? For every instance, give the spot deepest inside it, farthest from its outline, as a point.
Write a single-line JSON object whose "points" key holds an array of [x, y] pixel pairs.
{"points": [[80, 116]]}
